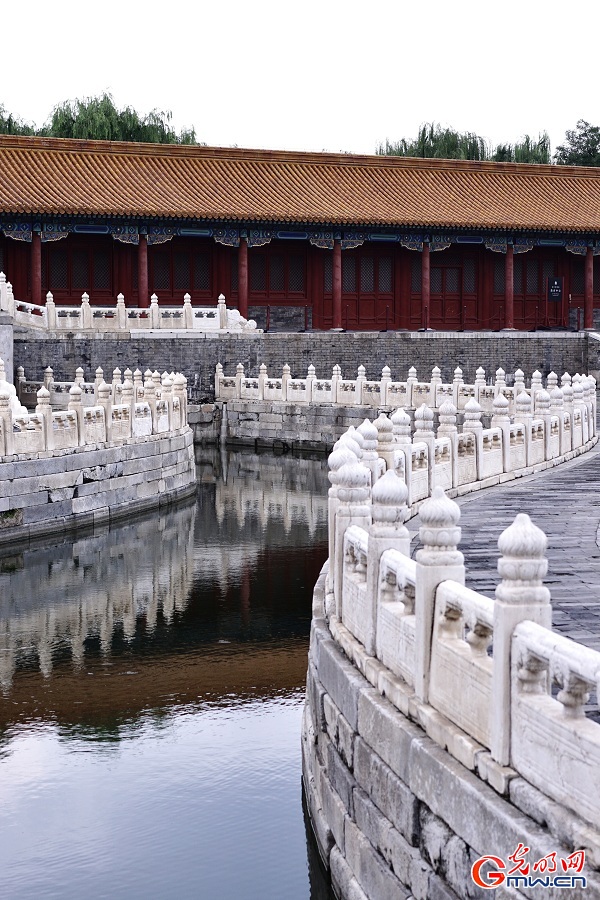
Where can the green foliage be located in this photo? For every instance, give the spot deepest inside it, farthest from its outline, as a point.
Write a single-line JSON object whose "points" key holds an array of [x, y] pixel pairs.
{"points": [[436, 142], [581, 147], [10, 124], [527, 150], [98, 119]]}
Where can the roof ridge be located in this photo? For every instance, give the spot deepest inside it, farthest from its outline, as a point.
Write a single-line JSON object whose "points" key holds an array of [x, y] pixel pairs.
{"points": [[200, 151]]}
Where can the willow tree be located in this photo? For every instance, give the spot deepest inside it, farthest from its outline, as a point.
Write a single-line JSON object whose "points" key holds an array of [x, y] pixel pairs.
{"points": [[97, 118], [10, 124], [436, 142], [433, 141]]}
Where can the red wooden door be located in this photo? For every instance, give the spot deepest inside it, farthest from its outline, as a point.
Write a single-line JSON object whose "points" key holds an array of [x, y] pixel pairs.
{"points": [[446, 297]]}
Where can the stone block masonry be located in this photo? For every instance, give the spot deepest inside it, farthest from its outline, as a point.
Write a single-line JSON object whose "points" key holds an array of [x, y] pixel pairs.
{"points": [[85, 487], [194, 354]]}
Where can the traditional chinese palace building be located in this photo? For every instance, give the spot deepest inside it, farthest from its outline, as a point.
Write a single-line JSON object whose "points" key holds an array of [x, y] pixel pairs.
{"points": [[362, 241]]}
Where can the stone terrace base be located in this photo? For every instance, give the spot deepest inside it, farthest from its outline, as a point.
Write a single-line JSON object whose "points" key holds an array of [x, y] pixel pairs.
{"points": [[395, 815], [81, 488], [192, 354]]}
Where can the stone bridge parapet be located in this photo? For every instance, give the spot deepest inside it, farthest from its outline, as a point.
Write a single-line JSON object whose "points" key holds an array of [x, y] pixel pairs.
{"points": [[129, 447], [442, 725]]}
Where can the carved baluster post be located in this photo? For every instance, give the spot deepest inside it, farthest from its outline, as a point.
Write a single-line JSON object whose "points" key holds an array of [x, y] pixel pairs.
{"points": [[472, 425], [180, 391], [310, 383], [361, 377], [285, 380], [536, 385], [222, 312], [424, 434], [262, 377], [436, 380], [524, 416], [386, 378], [128, 400], [340, 456], [500, 383], [579, 403], [7, 445], [354, 509], [86, 312], [438, 560], [4, 296], [105, 401], [76, 406], [116, 383], [543, 412], [154, 312], [479, 382], [150, 395], [568, 404], [519, 383], [44, 409], [121, 313], [412, 379], [501, 420], [97, 382], [457, 384], [218, 380], [520, 596], [239, 381], [20, 381], [137, 383], [48, 378], [387, 531], [557, 409], [447, 428], [386, 448], [370, 459], [188, 313], [402, 443], [336, 377], [593, 401], [565, 378], [167, 396]]}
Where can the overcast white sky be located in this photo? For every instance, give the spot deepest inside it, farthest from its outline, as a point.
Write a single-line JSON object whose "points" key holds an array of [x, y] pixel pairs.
{"points": [[313, 74]]}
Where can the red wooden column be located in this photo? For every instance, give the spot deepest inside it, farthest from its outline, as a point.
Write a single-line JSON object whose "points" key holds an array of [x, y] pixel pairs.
{"points": [[425, 286], [588, 296], [336, 285], [36, 268], [509, 288], [243, 278], [143, 298]]}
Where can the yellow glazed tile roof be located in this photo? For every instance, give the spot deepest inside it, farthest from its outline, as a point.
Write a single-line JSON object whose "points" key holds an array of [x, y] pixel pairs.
{"points": [[96, 178]]}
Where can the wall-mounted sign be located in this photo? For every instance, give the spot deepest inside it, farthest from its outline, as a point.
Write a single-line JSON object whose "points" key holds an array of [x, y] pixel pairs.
{"points": [[555, 290]]}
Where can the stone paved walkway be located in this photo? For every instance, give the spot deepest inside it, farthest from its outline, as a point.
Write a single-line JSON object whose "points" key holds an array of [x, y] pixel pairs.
{"points": [[565, 503]]}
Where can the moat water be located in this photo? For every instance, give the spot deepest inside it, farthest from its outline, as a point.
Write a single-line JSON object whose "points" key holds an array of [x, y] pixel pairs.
{"points": [[152, 680]]}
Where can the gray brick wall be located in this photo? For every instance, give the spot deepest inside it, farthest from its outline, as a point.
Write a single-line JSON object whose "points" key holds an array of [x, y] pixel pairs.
{"points": [[545, 351]]}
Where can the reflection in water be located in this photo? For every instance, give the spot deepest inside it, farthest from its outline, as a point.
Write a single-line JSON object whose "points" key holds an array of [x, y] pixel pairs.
{"points": [[152, 679]]}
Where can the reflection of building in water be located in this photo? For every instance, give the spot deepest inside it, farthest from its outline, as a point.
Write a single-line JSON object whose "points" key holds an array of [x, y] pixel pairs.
{"points": [[257, 497], [227, 563], [290, 490], [62, 595]]}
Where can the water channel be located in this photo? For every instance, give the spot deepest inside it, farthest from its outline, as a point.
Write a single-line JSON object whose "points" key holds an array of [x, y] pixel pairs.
{"points": [[152, 679]]}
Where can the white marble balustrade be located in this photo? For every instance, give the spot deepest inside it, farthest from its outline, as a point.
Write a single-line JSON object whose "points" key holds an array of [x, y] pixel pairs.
{"points": [[121, 317], [88, 412], [475, 672]]}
